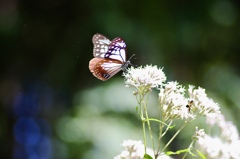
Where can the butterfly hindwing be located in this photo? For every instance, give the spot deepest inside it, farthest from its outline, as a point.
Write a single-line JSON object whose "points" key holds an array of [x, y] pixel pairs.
{"points": [[104, 69]]}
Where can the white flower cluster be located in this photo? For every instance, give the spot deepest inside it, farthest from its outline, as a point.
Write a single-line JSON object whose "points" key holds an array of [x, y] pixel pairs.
{"points": [[229, 131], [144, 77], [199, 134], [203, 105], [225, 145], [172, 102], [175, 105], [135, 150]]}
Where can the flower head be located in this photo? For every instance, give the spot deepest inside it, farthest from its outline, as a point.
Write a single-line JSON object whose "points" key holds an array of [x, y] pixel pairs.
{"points": [[202, 104], [223, 145], [172, 102], [228, 131], [144, 77], [199, 134], [135, 150]]}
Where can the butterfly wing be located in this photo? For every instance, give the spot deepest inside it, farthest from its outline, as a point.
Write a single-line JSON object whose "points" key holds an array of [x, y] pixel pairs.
{"points": [[101, 44], [110, 56], [104, 48], [117, 50], [104, 69]]}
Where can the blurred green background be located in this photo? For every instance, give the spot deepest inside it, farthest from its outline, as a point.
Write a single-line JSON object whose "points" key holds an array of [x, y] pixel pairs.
{"points": [[51, 106]]}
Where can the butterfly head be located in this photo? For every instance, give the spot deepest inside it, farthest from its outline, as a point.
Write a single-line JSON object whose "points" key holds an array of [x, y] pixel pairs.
{"points": [[125, 65]]}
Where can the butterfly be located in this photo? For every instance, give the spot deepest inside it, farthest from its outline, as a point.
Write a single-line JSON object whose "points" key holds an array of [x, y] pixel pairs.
{"points": [[109, 57]]}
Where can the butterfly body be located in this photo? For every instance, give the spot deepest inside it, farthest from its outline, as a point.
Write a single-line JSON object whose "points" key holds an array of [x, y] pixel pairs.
{"points": [[109, 57]]}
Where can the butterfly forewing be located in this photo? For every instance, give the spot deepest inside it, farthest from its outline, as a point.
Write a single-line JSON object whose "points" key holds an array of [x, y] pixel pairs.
{"points": [[117, 50], [101, 44]]}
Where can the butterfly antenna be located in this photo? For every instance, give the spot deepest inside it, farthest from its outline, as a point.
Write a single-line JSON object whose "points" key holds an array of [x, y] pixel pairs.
{"points": [[131, 57], [130, 62]]}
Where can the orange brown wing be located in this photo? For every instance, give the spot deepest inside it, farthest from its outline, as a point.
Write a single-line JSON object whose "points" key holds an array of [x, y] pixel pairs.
{"points": [[104, 69]]}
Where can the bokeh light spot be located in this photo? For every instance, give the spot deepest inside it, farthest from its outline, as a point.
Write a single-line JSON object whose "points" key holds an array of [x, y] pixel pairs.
{"points": [[26, 131], [224, 13]]}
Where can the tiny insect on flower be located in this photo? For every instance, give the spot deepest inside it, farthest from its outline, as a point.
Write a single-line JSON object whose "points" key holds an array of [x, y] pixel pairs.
{"points": [[189, 105]]}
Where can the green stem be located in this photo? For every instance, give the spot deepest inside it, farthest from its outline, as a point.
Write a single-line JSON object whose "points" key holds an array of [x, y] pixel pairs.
{"points": [[170, 123], [149, 127], [160, 131], [141, 101], [189, 148], [144, 136], [174, 136]]}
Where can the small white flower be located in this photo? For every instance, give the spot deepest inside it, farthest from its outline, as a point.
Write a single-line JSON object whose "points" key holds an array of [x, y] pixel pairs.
{"points": [[203, 105], [225, 145], [199, 133], [228, 131], [213, 147], [172, 102], [144, 77], [135, 150]]}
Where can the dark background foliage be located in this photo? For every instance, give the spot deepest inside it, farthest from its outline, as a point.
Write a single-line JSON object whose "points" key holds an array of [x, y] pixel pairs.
{"points": [[46, 47]]}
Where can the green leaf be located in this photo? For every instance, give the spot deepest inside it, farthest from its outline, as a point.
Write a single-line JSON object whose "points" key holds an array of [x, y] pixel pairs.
{"points": [[201, 154], [171, 126], [170, 153], [177, 152], [180, 151], [146, 156]]}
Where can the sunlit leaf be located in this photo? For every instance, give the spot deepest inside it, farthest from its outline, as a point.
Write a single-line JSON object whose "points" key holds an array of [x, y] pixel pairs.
{"points": [[146, 156], [177, 152]]}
